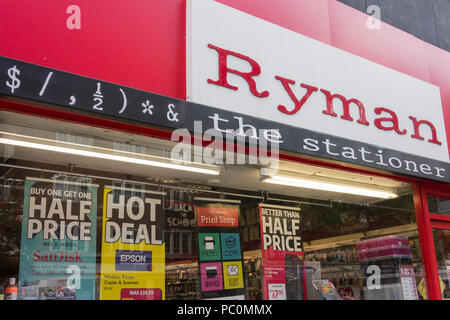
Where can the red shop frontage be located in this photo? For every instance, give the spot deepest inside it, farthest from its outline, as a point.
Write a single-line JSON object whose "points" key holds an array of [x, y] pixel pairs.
{"points": [[204, 149]]}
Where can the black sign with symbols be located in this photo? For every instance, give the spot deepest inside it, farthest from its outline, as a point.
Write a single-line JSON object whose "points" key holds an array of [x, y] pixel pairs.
{"points": [[29, 81], [43, 84]]}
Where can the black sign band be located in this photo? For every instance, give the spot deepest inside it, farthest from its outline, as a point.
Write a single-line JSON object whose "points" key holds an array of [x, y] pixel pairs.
{"points": [[29, 81]]}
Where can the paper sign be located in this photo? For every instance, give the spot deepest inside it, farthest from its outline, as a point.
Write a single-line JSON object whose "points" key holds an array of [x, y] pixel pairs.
{"points": [[209, 246], [140, 294], [277, 291], [231, 246], [217, 217], [408, 280], [58, 244], [133, 250], [211, 276], [232, 275], [282, 252]]}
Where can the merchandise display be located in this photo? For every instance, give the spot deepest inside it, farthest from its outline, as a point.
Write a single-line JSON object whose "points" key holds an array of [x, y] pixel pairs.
{"points": [[387, 254], [253, 271], [11, 290], [182, 281]]}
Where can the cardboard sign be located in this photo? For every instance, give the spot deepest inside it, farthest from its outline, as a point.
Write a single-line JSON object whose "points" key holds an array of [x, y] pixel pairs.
{"points": [[236, 59]]}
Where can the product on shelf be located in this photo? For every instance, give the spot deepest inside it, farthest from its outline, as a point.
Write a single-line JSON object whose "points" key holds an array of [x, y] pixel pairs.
{"points": [[384, 248]]}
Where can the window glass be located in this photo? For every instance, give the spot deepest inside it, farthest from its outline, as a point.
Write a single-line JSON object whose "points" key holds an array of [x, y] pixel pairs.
{"points": [[441, 239], [88, 213], [438, 205]]}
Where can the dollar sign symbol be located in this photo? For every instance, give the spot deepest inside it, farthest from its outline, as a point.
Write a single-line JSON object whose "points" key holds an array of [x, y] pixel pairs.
{"points": [[15, 83]]}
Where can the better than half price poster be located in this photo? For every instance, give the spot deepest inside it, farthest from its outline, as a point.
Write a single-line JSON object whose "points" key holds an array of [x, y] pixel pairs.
{"points": [[282, 252]]}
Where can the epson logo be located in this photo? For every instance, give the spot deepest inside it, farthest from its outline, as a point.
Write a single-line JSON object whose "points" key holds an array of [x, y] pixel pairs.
{"points": [[133, 258]]}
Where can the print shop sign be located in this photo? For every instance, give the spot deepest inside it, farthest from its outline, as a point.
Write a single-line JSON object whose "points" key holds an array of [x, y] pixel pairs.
{"points": [[324, 97]]}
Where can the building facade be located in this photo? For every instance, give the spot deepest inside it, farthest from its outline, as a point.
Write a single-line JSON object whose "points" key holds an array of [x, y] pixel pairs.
{"points": [[200, 149]]}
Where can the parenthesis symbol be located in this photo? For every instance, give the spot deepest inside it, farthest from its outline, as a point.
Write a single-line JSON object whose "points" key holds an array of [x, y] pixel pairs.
{"points": [[124, 101]]}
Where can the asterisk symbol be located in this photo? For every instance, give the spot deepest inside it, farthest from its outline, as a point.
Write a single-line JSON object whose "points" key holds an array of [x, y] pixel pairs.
{"points": [[147, 107]]}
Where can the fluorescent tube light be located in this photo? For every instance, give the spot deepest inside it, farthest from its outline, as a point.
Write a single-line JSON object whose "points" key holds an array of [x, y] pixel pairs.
{"points": [[106, 156], [317, 184]]}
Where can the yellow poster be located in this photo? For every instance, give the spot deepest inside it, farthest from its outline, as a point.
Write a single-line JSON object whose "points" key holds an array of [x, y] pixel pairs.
{"points": [[232, 275], [133, 253], [423, 290]]}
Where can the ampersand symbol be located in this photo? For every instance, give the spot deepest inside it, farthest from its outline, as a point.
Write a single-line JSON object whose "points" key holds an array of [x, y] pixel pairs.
{"points": [[171, 115]]}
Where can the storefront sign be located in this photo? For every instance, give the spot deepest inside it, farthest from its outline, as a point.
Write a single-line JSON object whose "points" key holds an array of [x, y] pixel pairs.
{"points": [[282, 252], [217, 217], [171, 113], [58, 245], [133, 251], [243, 64], [321, 145], [79, 93], [408, 281]]}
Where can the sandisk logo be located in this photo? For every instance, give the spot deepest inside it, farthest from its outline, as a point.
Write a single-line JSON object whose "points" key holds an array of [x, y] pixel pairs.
{"points": [[57, 256]]}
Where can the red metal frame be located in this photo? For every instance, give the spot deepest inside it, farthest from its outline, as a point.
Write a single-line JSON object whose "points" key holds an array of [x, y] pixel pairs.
{"points": [[425, 221], [432, 221]]}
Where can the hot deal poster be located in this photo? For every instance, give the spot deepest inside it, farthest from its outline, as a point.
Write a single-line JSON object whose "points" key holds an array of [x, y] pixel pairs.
{"points": [[133, 252], [58, 245], [282, 253]]}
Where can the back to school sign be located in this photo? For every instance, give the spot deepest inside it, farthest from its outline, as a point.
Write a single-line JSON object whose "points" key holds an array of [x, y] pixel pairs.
{"points": [[282, 252], [133, 252], [58, 245]]}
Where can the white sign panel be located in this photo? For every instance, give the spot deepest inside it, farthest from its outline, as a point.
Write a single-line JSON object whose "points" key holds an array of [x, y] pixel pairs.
{"points": [[244, 64]]}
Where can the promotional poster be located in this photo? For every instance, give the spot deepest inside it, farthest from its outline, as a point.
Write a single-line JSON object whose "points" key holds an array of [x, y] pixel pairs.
{"points": [[282, 253], [179, 236], [133, 250], [219, 250], [58, 247]]}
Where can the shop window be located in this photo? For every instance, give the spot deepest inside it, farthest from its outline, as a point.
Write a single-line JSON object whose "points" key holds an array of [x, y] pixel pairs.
{"points": [[441, 239], [115, 226], [438, 205]]}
